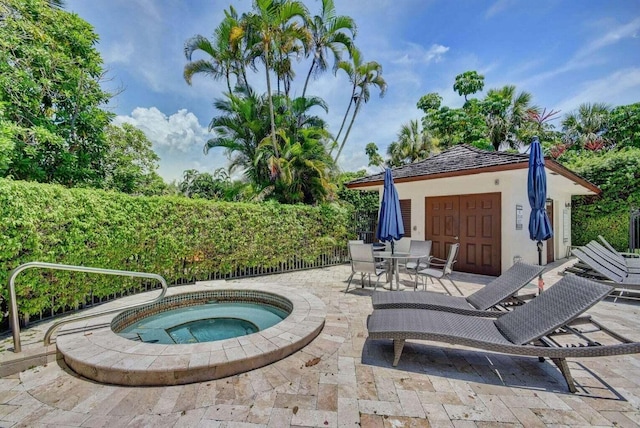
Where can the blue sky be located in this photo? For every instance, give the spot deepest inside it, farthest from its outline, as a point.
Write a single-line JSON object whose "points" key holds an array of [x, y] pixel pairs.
{"points": [[563, 52]]}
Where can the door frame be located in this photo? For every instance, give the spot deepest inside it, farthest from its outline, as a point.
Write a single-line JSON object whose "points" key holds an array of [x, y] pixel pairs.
{"points": [[548, 206]]}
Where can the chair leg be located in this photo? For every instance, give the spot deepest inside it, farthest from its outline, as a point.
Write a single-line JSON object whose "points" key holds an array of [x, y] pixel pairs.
{"points": [[443, 286], [398, 346], [349, 283], [375, 287], [455, 285], [564, 369]]}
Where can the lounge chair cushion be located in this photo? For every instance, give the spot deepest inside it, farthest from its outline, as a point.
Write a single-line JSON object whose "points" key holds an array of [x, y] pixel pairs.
{"points": [[419, 300], [434, 325], [552, 309]]}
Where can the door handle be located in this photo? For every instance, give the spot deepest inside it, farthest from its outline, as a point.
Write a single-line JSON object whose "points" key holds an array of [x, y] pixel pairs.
{"points": [[455, 237]]}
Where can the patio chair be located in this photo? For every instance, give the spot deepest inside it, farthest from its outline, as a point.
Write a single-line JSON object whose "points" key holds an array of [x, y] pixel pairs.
{"points": [[632, 260], [363, 262], [533, 329], [440, 269], [380, 264], [417, 247], [492, 300]]}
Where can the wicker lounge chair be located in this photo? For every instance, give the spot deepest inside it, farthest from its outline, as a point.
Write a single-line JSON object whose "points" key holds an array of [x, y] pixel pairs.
{"points": [[493, 297], [601, 269], [631, 264], [530, 330], [618, 276], [632, 259]]}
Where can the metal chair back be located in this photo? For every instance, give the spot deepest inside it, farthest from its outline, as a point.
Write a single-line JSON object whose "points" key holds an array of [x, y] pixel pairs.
{"points": [[451, 258], [362, 259]]}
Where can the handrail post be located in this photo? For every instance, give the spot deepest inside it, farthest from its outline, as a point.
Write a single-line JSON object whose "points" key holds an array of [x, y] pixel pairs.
{"points": [[14, 322], [13, 304]]}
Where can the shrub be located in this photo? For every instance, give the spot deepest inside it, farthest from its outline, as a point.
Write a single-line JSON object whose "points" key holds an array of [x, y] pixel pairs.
{"points": [[175, 237]]}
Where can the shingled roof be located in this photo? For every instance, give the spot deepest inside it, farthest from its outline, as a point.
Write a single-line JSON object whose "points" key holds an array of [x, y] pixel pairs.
{"points": [[463, 159]]}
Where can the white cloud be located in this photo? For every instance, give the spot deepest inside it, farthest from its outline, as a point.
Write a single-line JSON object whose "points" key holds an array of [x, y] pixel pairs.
{"points": [[178, 140], [497, 7], [586, 57], [618, 88], [118, 52], [180, 131], [629, 30], [417, 54]]}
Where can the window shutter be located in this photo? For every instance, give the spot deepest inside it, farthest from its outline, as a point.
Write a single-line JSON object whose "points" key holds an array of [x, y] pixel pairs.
{"points": [[405, 209]]}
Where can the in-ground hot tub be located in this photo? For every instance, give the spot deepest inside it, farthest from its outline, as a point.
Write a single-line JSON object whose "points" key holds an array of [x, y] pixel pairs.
{"points": [[93, 349], [204, 316]]}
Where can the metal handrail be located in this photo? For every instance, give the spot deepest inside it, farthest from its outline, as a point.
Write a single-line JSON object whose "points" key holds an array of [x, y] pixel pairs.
{"points": [[13, 315]]}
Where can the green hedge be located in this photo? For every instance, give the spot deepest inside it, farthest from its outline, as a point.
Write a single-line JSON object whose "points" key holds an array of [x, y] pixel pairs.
{"points": [[172, 236], [601, 218]]}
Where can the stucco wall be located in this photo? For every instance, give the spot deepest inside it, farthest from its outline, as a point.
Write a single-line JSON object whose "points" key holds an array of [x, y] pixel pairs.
{"points": [[513, 187]]}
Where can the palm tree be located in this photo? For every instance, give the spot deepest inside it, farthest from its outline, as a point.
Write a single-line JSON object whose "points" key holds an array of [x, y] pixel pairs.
{"points": [[305, 165], [505, 112], [227, 56], [587, 126], [362, 76], [267, 28], [240, 129], [413, 145], [328, 34], [302, 160]]}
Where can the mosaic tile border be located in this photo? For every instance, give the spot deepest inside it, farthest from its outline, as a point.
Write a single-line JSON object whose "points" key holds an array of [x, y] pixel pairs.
{"points": [[183, 300]]}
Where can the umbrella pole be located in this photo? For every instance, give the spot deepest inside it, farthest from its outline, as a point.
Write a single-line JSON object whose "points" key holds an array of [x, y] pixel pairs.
{"points": [[540, 280], [392, 246]]}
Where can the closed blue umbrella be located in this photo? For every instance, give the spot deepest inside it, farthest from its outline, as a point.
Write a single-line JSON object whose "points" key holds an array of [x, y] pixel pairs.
{"points": [[539, 224], [390, 226]]}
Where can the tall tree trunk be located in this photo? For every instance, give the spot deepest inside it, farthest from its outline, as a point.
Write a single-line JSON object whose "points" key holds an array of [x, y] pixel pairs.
{"points": [[245, 81], [306, 82], [271, 114], [346, 114], [228, 76], [346, 135]]}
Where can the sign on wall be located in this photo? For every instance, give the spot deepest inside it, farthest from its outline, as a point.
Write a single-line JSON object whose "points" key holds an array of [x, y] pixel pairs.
{"points": [[518, 217]]}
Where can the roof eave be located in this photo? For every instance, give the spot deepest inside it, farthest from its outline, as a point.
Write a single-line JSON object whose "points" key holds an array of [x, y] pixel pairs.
{"points": [[549, 164]]}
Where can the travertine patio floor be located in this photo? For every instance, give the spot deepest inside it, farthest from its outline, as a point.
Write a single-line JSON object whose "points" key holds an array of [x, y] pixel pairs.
{"points": [[342, 379]]}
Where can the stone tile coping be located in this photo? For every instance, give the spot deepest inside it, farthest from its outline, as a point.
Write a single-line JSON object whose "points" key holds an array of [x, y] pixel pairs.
{"points": [[93, 350]]}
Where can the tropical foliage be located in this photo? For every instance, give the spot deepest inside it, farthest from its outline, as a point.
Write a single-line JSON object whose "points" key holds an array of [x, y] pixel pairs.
{"points": [[53, 127], [283, 150], [468, 83], [130, 163], [413, 144], [603, 146], [363, 76], [51, 123]]}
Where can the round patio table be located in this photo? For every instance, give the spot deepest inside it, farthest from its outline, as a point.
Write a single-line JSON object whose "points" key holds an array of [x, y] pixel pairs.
{"points": [[394, 257]]}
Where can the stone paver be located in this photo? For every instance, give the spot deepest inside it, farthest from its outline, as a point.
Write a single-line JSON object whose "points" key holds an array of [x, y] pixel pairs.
{"points": [[341, 379]]}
